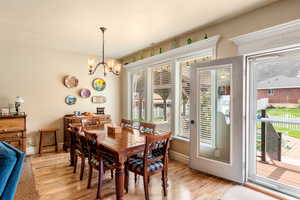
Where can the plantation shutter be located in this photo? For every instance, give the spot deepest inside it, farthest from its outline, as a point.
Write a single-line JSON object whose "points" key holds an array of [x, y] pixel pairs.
{"points": [[185, 68], [162, 97], [205, 118]]}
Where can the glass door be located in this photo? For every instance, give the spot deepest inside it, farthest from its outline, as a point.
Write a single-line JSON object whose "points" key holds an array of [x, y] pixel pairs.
{"points": [[217, 118], [274, 120]]}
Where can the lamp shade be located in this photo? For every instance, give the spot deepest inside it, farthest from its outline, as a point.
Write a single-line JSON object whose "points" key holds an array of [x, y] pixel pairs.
{"points": [[19, 99]]}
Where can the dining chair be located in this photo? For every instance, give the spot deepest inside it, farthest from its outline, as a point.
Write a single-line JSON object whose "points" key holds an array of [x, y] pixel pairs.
{"points": [[126, 123], [145, 127], [155, 160], [99, 159], [79, 147]]}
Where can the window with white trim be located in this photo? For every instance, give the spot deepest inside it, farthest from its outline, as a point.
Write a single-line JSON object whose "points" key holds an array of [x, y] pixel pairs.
{"points": [[162, 97], [184, 95], [138, 96]]}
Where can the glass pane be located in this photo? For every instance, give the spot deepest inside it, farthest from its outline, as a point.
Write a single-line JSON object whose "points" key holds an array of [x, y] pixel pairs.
{"points": [[277, 130], [162, 98], [214, 114], [185, 96], [138, 96]]}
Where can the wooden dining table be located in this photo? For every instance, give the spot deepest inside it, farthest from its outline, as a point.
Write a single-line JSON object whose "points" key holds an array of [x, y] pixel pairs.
{"points": [[121, 144]]}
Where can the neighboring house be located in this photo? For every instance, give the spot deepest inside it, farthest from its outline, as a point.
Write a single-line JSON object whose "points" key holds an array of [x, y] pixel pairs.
{"points": [[280, 89]]}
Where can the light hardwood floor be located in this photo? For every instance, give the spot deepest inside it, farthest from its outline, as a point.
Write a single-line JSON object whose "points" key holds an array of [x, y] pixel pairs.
{"points": [[55, 180]]}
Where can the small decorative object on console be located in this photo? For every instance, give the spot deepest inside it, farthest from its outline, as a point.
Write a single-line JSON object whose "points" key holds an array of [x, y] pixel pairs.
{"points": [[18, 102], [100, 110]]}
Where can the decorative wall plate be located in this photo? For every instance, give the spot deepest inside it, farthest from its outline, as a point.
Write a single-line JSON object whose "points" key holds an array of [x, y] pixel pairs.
{"points": [[85, 93], [99, 99], [70, 100], [70, 81], [99, 84]]}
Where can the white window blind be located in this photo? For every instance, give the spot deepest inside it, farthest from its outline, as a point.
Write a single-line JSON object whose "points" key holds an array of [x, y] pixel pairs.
{"points": [[205, 112]]}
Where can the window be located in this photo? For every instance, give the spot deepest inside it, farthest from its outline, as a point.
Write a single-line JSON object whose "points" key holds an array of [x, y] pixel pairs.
{"points": [[138, 102], [184, 95], [270, 92], [162, 97], [159, 89]]}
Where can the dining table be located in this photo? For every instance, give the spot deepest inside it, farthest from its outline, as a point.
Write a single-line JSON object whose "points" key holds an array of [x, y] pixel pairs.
{"points": [[121, 144]]}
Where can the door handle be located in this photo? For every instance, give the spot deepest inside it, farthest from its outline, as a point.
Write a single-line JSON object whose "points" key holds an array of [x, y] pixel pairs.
{"points": [[192, 122]]}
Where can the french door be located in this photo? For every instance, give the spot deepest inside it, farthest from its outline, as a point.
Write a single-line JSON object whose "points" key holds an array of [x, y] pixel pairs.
{"points": [[217, 135]]}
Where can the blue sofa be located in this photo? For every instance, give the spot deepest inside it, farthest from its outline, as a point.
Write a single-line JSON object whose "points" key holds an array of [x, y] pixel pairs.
{"points": [[11, 162]]}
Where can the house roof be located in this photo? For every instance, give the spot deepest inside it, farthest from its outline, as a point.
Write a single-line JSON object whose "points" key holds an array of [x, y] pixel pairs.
{"points": [[279, 82]]}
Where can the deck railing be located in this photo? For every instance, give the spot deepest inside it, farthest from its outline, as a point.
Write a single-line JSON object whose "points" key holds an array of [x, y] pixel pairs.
{"points": [[271, 140]]}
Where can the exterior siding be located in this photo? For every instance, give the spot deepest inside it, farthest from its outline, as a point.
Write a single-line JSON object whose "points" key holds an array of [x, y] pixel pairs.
{"points": [[282, 95]]}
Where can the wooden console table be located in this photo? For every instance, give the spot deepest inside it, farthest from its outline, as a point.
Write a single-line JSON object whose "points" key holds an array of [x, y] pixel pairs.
{"points": [[13, 130], [104, 119]]}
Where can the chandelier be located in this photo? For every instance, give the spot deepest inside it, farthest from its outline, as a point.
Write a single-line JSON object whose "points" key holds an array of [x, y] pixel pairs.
{"points": [[110, 65]]}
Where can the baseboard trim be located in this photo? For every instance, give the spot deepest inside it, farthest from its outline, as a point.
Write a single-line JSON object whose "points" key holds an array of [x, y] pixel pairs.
{"points": [[179, 157]]}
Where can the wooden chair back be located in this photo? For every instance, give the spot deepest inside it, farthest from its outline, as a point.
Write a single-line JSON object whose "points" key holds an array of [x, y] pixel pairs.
{"points": [[95, 151], [146, 127], [77, 139], [156, 148], [126, 123], [91, 123]]}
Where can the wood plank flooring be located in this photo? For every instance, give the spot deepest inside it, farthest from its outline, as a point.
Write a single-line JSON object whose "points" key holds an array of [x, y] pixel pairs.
{"points": [[55, 180], [279, 171]]}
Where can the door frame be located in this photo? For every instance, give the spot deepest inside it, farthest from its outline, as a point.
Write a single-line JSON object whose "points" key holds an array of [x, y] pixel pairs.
{"points": [[235, 170], [251, 120]]}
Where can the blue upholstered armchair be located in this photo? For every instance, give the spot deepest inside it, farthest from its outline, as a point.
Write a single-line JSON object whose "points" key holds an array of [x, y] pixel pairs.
{"points": [[11, 162]]}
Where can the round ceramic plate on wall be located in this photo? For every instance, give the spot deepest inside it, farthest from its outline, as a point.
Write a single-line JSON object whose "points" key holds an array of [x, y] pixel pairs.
{"points": [[85, 93], [99, 84], [70, 100], [70, 81]]}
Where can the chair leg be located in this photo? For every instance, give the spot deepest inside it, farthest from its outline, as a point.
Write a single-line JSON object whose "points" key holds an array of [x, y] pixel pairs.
{"points": [[100, 180], [135, 177], [41, 141], [82, 167], [90, 176], [126, 179], [165, 181], [75, 163], [146, 186], [112, 174], [56, 146]]}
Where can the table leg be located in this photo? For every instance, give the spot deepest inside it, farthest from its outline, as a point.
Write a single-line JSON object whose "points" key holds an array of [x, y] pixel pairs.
{"points": [[120, 181]]}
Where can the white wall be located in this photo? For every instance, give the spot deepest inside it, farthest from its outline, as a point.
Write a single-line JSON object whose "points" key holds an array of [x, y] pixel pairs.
{"points": [[36, 75]]}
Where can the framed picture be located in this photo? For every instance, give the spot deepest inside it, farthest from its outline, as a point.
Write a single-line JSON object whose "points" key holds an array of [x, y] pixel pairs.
{"points": [[99, 99], [99, 84], [70, 100]]}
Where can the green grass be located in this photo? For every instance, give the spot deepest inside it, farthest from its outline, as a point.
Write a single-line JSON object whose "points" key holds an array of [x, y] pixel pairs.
{"points": [[277, 112], [283, 111]]}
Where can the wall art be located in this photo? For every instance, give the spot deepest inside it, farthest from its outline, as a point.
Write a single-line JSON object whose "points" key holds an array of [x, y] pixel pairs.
{"points": [[70, 81], [70, 100], [99, 84]]}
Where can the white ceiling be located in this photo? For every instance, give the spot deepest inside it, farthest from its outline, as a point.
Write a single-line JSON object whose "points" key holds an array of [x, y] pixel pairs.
{"points": [[72, 25]]}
